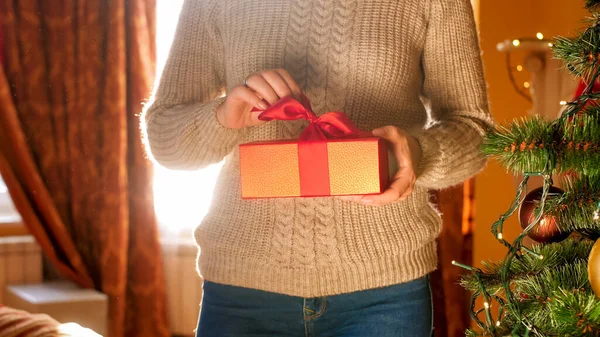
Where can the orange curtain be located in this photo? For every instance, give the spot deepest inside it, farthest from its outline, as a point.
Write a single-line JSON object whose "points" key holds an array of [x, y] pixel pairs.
{"points": [[451, 301], [71, 90]]}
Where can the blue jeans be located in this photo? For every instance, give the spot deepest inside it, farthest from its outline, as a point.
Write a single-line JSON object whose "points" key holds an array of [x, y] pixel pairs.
{"points": [[402, 310]]}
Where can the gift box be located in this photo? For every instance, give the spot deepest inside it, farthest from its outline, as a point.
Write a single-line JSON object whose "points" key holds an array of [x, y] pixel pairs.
{"points": [[330, 158]]}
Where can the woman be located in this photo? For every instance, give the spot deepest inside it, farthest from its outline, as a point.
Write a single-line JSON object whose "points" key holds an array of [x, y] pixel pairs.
{"points": [[357, 266]]}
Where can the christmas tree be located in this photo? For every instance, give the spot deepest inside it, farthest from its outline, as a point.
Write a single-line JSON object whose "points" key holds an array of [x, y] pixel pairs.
{"points": [[551, 288]]}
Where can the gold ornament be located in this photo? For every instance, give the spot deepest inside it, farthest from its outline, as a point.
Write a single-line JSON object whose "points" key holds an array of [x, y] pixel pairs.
{"points": [[594, 268]]}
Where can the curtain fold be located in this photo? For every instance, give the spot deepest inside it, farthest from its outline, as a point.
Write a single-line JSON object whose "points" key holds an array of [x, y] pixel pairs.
{"points": [[75, 75]]}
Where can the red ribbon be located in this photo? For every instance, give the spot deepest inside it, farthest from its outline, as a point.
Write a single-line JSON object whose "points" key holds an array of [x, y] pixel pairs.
{"points": [[332, 125], [313, 158]]}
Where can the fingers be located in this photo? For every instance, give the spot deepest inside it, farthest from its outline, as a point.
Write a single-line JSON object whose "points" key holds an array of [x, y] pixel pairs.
{"points": [[399, 141], [400, 188], [296, 91], [278, 83], [245, 94], [353, 198], [404, 180], [248, 98], [260, 85], [387, 132], [260, 90], [272, 85]]}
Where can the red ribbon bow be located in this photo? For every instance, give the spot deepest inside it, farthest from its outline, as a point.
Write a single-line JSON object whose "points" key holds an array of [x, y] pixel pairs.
{"points": [[332, 125], [313, 157]]}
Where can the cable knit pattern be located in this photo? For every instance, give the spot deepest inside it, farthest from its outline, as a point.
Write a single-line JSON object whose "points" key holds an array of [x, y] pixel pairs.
{"points": [[413, 63]]}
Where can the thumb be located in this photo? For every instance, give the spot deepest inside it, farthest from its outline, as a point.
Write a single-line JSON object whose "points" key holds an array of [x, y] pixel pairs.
{"points": [[386, 132]]}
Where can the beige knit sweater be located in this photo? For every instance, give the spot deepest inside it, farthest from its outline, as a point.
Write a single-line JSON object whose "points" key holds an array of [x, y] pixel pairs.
{"points": [[410, 63]]}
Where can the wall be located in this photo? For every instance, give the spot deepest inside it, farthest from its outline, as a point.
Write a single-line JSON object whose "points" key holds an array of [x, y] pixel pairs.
{"points": [[500, 20]]}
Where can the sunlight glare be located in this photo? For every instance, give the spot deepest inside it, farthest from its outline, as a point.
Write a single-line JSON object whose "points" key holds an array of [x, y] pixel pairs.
{"points": [[3, 188], [167, 15], [181, 198]]}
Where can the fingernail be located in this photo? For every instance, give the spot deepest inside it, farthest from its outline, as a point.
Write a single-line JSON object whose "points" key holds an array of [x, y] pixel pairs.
{"points": [[263, 105], [367, 201]]}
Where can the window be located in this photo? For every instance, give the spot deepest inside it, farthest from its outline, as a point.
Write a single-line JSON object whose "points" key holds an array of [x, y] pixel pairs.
{"points": [[181, 198], [7, 209], [10, 220]]}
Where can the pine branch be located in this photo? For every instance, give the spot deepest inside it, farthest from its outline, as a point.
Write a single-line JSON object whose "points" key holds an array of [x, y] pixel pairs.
{"points": [[539, 287], [580, 145], [564, 312], [550, 297], [555, 256], [575, 208], [471, 333], [522, 146], [574, 312], [582, 53], [567, 284], [592, 4], [529, 145]]}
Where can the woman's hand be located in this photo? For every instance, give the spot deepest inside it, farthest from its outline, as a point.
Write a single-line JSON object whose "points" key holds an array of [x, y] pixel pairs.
{"points": [[407, 150], [260, 88]]}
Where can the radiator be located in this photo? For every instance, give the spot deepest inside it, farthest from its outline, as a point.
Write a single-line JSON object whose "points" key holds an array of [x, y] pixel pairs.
{"points": [[20, 261], [183, 285]]}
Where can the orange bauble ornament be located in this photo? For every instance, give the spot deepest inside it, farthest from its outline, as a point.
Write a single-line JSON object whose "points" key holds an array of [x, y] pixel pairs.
{"points": [[594, 268]]}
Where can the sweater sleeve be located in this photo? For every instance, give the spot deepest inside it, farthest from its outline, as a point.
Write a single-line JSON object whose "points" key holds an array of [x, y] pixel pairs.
{"points": [[182, 131], [454, 92]]}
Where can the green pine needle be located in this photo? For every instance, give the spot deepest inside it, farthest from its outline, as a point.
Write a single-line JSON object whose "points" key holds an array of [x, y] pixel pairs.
{"points": [[580, 142], [575, 312], [592, 4], [531, 144], [550, 297], [568, 284], [540, 286], [522, 146], [555, 255], [575, 208], [581, 54], [471, 333]]}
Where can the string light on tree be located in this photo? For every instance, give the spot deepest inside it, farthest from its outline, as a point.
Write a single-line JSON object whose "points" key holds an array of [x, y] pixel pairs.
{"points": [[540, 289], [519, 68], [464, 266], [531, 252]]}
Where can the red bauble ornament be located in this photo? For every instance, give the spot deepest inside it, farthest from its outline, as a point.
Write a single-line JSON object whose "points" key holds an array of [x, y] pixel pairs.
{"points": [[546, 231]]}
